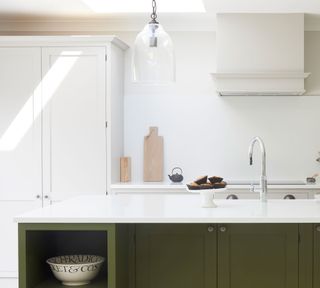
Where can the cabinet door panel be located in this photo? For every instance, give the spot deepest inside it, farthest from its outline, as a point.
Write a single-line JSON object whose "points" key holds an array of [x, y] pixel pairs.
{"points": [[258, 255], [20, 148], [74, 121], [20, 123], [175, 256]]}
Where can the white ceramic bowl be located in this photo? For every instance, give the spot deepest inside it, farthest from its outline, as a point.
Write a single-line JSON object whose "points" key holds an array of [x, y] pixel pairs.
{"points": [[75, 270]]}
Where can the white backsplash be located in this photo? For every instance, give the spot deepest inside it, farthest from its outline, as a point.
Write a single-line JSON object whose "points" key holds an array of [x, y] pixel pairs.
{"points": [[208, 134]]}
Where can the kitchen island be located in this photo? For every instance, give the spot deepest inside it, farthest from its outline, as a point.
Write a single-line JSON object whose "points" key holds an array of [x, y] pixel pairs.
{"points": [[153, 241]]}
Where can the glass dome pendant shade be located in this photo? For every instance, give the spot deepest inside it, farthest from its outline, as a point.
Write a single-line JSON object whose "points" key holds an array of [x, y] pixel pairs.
{"points": [[153, 54]]}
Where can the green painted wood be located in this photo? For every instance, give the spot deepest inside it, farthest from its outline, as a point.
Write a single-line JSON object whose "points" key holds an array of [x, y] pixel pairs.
{"points": [[122, 263], [175, 256], [22, 256], [37, 242], [53, 283], [258, 255], [306, 256], [316, 256]]}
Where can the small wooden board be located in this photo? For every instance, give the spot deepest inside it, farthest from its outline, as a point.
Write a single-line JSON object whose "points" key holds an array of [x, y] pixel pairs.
{"points": [[153, 156], [125, 169]]}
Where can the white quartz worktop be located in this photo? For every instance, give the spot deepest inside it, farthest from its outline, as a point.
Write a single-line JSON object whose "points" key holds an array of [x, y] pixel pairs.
{"points": [[172, 209]]}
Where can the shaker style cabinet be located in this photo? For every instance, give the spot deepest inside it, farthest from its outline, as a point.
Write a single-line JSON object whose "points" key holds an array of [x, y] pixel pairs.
{"points": [[258, 255], [176, 255], [74, 121], [20, 147], [222, 256], [56, 94]]}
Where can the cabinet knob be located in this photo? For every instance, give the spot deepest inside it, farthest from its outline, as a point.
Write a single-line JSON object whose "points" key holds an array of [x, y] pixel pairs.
{"points": [[223, 229], [210, 229], [46, 197], [318, 228], [38, 196]]}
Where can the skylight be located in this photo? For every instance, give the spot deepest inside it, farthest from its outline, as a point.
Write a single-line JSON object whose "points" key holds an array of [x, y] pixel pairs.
{"points": [[141, 6]]}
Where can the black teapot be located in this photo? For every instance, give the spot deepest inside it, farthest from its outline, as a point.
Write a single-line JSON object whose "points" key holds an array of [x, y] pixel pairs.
{"points": [[176, 177]]}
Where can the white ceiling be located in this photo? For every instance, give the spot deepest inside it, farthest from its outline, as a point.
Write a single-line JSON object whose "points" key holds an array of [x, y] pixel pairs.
{"points": [[90, 8], [180, 10]]}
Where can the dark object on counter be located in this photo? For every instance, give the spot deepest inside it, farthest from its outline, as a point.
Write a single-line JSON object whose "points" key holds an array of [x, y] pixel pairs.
{"points": [[311, 180], [176, 177], [202, 180], [215, 179], [215, 182]]}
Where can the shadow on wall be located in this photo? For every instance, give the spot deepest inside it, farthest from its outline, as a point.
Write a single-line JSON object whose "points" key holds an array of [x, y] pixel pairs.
{"points": [[312, 62]]}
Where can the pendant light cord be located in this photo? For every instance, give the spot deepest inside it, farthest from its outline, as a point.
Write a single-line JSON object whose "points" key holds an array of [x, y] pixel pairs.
{"points": [[154, 12]]}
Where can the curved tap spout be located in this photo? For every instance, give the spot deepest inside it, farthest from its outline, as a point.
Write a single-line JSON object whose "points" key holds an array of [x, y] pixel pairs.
{"points": [[263, 178]]}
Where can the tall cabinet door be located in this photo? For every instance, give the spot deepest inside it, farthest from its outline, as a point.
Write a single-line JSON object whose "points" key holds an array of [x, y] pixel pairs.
{"points": [[20, 146], [74, 132], [258, 255], [175, 256]]}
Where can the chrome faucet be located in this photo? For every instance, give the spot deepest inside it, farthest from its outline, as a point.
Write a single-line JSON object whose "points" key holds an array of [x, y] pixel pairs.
{"points": [[263, 177]]}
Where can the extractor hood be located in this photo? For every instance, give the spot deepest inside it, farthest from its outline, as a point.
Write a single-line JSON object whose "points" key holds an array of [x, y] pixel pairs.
{"points": [[260, 54]]}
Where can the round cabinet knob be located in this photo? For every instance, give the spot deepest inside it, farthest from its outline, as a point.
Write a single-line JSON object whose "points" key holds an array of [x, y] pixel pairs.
{"points": [[318, 228], [46, 197], [289, 196], [223, 229], [232, 197], [38, 196], [210, 229]]}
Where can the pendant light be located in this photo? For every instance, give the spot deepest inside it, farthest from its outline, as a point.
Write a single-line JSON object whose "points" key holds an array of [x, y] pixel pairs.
{"points": [[153, 54]]}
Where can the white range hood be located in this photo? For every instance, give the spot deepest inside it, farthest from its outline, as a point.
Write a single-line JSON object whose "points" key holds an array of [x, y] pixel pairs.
{"points": [[260, 54]]}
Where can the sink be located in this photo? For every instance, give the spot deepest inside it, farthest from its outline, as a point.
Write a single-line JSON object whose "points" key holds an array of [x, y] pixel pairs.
{"points": [[270, 182]]}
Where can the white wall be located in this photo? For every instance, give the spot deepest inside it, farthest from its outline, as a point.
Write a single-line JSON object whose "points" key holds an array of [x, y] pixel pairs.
{"points": [[208, 134], [205, 133]]}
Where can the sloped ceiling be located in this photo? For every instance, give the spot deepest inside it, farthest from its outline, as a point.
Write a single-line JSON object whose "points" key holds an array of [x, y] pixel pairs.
{"points": [[177, 19]]}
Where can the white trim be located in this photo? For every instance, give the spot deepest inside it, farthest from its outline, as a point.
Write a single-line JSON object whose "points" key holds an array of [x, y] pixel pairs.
{"points": [[282, 83], [260, 75], [261, 93], [8, 274], [79, 40]]}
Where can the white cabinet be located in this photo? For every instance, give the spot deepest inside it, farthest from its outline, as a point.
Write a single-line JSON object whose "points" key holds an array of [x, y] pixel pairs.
{"points": [[20, 123], [20, 148], [56, 95], [74, 121]]}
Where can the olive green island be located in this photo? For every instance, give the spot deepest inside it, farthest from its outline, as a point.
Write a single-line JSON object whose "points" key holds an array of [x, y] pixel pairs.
{"points": [[168, 241]]}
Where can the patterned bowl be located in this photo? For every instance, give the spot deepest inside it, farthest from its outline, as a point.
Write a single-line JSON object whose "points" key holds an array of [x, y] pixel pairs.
{"points": [[75, 270]]}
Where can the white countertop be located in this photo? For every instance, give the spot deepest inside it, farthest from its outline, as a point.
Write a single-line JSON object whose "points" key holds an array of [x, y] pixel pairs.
{"points": [[172, 209]]}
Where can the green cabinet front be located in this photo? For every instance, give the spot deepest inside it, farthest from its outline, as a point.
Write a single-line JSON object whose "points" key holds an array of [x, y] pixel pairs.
{"points": [[217, 256], [316, 256], [258, 255], [176, 256]]}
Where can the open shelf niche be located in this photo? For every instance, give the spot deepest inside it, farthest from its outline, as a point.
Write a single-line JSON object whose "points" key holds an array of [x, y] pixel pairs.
{"points": [[38, 242]]}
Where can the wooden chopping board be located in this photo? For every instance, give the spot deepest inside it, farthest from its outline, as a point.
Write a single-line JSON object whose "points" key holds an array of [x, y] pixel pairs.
{"points": [[153, 156]]}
